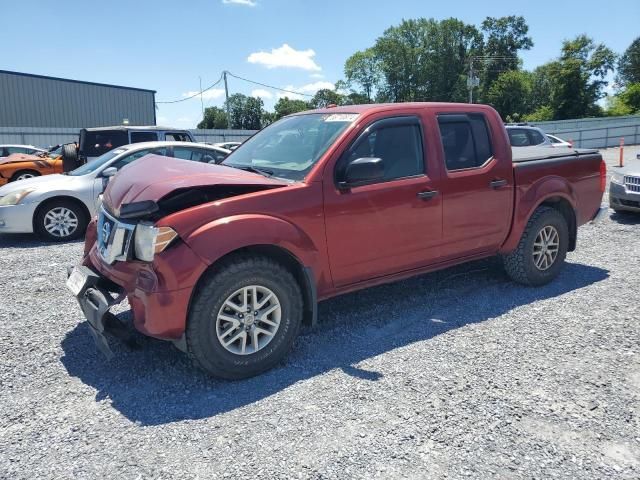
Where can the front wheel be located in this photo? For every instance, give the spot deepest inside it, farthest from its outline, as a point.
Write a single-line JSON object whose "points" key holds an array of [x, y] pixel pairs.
{"points": [[244, 318], [61, 220], [540, 254]]}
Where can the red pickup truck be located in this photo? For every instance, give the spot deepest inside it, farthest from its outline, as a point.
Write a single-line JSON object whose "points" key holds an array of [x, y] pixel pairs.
{"points": [[228, 260]]}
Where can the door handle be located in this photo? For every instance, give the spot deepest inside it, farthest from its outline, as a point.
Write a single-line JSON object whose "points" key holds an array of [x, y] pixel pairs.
{"points": [[497, 183], [427, 194]]}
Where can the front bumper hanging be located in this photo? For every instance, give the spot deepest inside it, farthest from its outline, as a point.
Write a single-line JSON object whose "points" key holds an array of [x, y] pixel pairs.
{"points": [[95, 301]]}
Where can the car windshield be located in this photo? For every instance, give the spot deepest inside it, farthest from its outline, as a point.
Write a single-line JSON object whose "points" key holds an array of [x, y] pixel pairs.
{"points": [[95, 164], [290, 147]]}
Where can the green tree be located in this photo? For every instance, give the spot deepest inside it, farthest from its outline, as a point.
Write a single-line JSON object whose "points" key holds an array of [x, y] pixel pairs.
{"points": [[510, 94], [246, 112], [626, 102], [325, 97], [214, 117], [541, 114], [286, 106], [355, 98], [363, 69], [426, 59], [504, 37], [629, 64], [541, 86], [578, 78]]}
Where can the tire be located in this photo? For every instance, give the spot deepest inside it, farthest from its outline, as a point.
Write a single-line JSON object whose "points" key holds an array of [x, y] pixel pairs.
{"points": [[65, 212], [526, 264], [216, 291], [24, 174], [69, 157]]}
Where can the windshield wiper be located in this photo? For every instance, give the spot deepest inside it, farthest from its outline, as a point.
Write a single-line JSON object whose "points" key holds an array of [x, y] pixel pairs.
{"points": [[262, 171]]}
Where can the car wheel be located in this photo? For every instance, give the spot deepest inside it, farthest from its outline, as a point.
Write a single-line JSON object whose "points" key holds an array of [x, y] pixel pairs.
{"points": [[540, 254], [244, 318], [23, 175], [61, 220]]}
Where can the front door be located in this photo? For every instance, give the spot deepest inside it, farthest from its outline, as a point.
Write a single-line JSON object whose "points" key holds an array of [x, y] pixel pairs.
{"points": [[389, 226]]}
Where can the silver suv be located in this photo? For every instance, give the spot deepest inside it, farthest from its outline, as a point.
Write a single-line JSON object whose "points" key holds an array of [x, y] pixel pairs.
{"points": [[526, 136]]}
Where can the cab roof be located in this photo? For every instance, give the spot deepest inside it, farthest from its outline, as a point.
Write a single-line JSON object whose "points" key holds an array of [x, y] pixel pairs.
{"points": [[373, 107]]}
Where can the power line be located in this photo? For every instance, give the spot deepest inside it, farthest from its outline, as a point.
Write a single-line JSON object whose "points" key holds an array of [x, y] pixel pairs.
{"points": [[269, 86], [195, 94]]}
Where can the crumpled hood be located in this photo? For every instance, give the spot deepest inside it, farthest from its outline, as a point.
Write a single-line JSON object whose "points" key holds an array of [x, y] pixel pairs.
{"points": [[154, 176], [20, 157]]}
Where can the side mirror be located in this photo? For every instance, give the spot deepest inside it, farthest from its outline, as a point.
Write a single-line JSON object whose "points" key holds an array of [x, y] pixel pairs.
{"points": [[109, 172], [363, 171]]}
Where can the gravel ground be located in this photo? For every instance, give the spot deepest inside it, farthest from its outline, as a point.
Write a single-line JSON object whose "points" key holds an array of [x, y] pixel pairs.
{"points": [[456, 374]]}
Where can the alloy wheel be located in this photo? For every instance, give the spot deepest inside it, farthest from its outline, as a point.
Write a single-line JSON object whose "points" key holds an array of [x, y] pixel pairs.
{"points": [[248, 320], [545, 247]]}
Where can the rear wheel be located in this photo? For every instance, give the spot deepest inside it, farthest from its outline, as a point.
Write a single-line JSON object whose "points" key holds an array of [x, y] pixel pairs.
{"points": [[244, 318], [61, 220], [23, 175], [542, 249]]}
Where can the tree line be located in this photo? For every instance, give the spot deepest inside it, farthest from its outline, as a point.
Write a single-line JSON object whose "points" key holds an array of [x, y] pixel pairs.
{"points": [[432, 60]]}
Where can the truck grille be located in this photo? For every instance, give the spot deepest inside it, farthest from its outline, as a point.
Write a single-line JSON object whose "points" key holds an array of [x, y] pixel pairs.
{"points": [[632, 184], [115, 238]]}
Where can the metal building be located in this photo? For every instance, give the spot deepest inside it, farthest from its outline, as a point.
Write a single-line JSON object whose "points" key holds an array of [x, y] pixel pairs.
{"points": [[38, 101]]}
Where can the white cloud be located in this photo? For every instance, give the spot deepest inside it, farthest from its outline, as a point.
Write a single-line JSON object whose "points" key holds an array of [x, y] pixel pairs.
{"points": [[309, 88], [286, 57], [261, 93], [246, 3], [208, 95]]}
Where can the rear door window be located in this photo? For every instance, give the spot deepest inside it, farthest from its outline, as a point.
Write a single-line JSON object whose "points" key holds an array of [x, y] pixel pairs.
{"points": [[518, 137], [126, 160], [465, 140], [198, 154], [138, 137], [177, 137], [535, 137]]}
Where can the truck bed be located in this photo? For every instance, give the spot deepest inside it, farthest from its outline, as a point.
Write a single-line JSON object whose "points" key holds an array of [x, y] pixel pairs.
{"points": [[530, 154]]}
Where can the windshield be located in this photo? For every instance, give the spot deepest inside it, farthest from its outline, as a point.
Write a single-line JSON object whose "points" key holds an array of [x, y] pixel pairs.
{"points": [[290, 147], [95, 164]]}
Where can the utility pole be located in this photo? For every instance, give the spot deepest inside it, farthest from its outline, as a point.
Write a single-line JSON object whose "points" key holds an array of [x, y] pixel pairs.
{"points": [[226, 94], [472, 81], [201, 101]]}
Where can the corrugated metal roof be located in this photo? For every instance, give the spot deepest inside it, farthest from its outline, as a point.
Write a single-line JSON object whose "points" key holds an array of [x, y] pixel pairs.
{"points": [[33, 75]]}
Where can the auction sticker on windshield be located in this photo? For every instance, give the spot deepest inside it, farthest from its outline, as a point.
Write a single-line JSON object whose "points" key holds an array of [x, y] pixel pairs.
{"points": [[341, 117]]}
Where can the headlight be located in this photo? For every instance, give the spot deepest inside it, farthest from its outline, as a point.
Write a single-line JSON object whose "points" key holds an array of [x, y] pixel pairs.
{"points": [[150, 240], [14, 198], [617, 178]]}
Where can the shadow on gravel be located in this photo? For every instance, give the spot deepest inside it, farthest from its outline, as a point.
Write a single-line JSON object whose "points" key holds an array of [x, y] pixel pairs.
{"points": [[157, 384], [626, 218], [27, 240]]}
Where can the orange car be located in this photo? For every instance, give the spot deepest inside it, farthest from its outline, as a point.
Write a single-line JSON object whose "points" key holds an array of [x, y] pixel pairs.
{"points": [[19, 166]]}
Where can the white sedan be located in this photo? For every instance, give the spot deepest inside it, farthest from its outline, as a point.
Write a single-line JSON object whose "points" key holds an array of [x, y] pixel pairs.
{"points": [[59, 207], [557, 141]]}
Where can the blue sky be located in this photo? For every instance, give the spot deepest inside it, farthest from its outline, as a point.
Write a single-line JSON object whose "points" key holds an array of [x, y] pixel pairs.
{"points": [[300, 44]]}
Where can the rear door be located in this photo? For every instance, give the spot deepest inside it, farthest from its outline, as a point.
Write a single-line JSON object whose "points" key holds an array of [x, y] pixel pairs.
{"points": [[389, 226], [477, 187]]}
